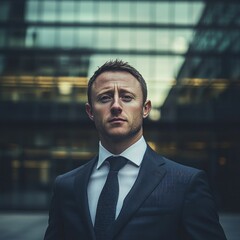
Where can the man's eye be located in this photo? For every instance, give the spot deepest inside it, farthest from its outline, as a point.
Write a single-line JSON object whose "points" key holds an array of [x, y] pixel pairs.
{"points": [[127, 98], [104, 98]]}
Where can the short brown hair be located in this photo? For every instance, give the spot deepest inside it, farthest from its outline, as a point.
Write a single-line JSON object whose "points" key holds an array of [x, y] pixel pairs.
{"points": [[117, 65]]}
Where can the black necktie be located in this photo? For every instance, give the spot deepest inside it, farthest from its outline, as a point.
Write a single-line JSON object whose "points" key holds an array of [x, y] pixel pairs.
{"points": [[106, 208]]}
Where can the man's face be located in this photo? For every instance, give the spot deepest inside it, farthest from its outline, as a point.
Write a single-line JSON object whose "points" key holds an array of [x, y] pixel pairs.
{"points": [[117, 106]]}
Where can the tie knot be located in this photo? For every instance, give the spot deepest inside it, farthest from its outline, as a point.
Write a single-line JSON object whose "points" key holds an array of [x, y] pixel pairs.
{"points": [[116, 163]]}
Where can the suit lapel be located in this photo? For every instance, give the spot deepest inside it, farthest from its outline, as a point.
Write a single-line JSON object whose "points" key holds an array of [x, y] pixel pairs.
{"points": [[81, 183], [150, 174]]}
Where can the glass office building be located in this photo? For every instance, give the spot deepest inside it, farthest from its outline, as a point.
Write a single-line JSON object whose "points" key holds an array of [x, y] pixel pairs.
{"points": [[188, 52]]}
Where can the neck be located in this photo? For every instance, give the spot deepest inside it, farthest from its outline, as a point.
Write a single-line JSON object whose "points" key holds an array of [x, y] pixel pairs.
{"points": [[117, 146]]}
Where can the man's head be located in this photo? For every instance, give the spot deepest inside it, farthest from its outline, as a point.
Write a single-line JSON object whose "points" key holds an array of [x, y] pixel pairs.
{"points": [[115, 66], [117, 104]]}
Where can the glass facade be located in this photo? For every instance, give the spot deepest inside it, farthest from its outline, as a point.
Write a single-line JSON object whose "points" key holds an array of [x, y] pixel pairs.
{"points": [[188, 52]]}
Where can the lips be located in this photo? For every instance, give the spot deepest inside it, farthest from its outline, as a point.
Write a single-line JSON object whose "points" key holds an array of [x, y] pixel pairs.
{"points": [[113, 120]]}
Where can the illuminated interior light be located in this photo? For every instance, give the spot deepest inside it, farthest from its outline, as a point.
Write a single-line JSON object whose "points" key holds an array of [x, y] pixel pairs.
{"points": [[155, 114], [152, 145], [65, 88]]}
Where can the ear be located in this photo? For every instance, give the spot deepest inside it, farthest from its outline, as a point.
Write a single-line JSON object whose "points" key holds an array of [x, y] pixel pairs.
{"points": [[89, 111], [147, 108]]}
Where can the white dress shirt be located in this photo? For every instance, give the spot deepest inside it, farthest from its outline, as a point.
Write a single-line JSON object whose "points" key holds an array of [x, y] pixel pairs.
{"points": [[126, 176]]}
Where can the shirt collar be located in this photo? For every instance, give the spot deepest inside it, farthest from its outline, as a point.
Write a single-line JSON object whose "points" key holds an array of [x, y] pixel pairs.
{"points": [[138, 147]]}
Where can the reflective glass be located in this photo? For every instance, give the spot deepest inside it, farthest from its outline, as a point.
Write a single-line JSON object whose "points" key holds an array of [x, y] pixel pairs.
{"points": [[4, 10], [116, 11]]}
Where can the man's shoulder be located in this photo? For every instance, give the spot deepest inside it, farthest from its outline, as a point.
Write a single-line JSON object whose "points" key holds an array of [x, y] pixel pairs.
{"points": [[182, 174], [76, 171], [173, 164], [174, 167]]}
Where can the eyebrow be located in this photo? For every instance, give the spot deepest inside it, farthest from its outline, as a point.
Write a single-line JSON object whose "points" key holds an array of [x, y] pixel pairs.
{"points": [[110, 91]]}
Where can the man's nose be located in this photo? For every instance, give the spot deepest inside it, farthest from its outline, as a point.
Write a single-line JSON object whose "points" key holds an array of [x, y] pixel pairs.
{"points": [[116, 107]]}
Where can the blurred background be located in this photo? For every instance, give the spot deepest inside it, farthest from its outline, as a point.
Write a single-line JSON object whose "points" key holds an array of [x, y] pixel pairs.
{"points": [[187, 50]]}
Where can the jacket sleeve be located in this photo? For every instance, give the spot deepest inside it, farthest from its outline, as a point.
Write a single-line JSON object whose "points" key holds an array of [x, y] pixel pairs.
{"points": [[55, 226], [200, 217]]}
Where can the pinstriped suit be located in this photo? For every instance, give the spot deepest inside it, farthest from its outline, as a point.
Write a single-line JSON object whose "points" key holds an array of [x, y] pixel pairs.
{"points": [[168, 201]]}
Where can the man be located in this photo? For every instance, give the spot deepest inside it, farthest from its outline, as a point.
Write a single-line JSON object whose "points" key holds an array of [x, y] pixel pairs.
{"points": [[155, 198]]}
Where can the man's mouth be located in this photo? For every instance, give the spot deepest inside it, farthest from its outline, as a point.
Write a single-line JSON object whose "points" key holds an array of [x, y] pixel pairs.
{"points": [[114, 120]]}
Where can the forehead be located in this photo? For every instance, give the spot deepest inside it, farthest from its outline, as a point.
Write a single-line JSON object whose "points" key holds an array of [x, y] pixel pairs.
{"points": [[121, 79]]}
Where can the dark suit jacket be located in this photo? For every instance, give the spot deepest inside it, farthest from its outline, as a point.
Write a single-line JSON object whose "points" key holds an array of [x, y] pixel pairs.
{"points": [[168, 201]]}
